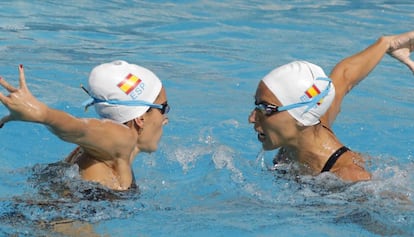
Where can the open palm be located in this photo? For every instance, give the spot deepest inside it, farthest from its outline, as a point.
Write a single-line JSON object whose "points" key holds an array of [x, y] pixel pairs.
{"points": [[21, 104]]}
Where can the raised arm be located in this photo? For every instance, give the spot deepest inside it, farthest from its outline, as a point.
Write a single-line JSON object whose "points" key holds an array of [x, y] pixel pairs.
{"points": [[91, 134], [350, 71]]}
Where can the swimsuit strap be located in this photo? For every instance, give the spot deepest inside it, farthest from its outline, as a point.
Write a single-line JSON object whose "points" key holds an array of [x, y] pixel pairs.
{"points": [[333, 158], [327, 128]]}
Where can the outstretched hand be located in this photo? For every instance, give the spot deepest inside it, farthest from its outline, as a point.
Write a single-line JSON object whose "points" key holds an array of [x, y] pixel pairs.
{"points": [[400, 48], [21, 104]]}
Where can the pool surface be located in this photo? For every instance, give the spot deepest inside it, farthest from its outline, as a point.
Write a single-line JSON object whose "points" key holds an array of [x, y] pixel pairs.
{"points": [[209, 176]]}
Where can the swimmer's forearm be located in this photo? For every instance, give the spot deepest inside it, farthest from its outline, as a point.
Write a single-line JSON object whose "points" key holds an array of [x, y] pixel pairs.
{"points": [[350, 71]]}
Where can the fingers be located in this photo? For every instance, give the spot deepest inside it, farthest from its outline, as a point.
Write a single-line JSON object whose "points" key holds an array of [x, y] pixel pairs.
{"points": [[404, 57], [410, 65], [7, 86], [22, 81], [3, 98], [22, 78], [5, 119]]}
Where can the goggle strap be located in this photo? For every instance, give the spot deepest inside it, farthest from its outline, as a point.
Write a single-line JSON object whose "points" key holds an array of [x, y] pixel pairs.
{"points": [[315, 100], [312, 102], [93, 100], [292, 106], [131, 103]]}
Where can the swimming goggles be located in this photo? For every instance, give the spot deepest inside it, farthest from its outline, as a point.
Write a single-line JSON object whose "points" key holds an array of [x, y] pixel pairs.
{"points": [[269, 109], [164, 108]]}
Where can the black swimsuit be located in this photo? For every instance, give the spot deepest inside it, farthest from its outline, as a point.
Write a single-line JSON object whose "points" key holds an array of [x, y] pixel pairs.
{"points": [[333, 158], [331, 161]]}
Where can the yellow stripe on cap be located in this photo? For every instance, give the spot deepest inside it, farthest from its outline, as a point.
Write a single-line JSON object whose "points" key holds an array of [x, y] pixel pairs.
{"points": [[129, 83], [312, 91]]}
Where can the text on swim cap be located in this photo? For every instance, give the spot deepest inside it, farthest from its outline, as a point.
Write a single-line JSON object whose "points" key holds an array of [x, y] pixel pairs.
{"points": [[137, 91]]}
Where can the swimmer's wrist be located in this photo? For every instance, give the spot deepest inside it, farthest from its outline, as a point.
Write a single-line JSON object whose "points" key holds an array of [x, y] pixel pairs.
{"points": [[48, 116]]}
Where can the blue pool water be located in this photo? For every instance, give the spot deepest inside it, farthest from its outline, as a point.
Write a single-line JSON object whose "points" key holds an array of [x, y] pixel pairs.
{"points": [[209, 177]]}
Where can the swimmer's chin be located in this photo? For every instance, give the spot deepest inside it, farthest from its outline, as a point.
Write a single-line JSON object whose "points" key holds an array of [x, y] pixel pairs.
{"points": [[265, 144], [150, 149], [268, 148]]}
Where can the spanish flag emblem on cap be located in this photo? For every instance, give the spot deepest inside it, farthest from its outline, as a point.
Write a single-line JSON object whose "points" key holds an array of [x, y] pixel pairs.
{"points": [[129, 83], [312, 92]]}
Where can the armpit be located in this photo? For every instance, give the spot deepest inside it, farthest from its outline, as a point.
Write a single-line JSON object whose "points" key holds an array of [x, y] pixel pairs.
{"points": [[73, 157]]}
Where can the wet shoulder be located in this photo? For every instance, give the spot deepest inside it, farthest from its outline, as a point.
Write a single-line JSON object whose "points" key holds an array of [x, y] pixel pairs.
{"points": [[351, 167]]}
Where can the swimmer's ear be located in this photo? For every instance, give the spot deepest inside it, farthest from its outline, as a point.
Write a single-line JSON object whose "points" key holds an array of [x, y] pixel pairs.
{"points": [[139, 121]]}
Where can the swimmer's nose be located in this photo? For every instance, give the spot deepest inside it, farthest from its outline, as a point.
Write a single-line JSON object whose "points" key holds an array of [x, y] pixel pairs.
{"points": [[165, 121], [252, 117]]}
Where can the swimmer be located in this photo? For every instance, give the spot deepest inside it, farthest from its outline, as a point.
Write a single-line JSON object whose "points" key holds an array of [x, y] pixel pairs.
{"points": [[296, 105], [132, 104]]}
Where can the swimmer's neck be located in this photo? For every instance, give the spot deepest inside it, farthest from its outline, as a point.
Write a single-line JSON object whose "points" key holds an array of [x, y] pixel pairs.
{"points": [[314, 146]]}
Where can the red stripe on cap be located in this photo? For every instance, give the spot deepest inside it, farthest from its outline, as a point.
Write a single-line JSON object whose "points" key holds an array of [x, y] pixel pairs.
{"points": [[129, 83]]}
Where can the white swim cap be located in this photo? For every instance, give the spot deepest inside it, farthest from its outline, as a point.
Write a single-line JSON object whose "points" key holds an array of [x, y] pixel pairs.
{"points": [[303, 89], [118, 81]]}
